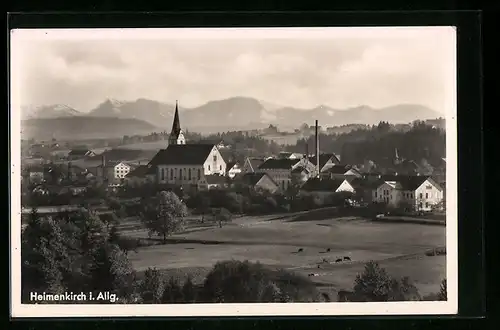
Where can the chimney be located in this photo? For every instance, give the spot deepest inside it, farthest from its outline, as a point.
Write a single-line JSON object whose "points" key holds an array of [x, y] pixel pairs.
{"points": [[316, 135]]}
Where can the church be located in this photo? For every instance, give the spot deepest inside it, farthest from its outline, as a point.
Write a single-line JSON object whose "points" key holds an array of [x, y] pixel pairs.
{"points": [[187, 165]]}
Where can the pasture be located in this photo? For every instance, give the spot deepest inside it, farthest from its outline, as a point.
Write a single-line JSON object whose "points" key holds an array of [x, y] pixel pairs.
{"points": [[399, 247]]}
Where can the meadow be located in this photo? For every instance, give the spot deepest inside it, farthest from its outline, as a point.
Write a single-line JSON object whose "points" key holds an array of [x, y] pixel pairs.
{"points": [[398, 247]]}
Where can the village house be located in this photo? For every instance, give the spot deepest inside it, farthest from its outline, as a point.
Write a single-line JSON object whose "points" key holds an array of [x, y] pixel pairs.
{"points": [[325, 187], [251, 165], [137, 176], [420, 193], [326, 161], [300, 175], [233, 169], [280, 170], [80, 153], [340, 172], [212, 181], [290, 155], [36, 174], [258, 182]]}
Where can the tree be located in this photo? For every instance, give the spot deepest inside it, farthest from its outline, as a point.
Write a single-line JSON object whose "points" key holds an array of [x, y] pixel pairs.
{"points": [[221, 216], [375, 285], [173, 292], [152, 286], [189, 290], [111, 271], [45, 260], [164, 215]]}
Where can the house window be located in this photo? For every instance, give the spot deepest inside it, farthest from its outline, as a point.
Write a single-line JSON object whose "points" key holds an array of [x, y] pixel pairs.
{"points": [[162, 174], [180, 173], [220, 168], [199, 174], [426, 195], [171, 174], [215, 158], [420, 196], [411, 195], [426, 205], [209, 167], [189, 174]]}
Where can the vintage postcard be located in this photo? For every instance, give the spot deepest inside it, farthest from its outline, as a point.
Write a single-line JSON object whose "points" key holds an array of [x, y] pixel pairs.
{"points": [[233, 172]]}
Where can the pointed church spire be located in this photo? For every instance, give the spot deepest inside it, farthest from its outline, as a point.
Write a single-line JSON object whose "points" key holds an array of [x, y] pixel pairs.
{"points": [[176, 126]]}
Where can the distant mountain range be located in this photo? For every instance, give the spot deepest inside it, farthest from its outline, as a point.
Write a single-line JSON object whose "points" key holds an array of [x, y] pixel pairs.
{"points": [[222, 115]]}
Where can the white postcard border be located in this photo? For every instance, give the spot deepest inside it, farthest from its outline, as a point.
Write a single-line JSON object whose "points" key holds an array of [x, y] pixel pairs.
{"points": [[255, 309]]}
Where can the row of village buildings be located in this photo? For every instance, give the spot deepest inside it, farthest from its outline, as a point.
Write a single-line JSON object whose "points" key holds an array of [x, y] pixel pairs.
{"points": [[202, 167]]}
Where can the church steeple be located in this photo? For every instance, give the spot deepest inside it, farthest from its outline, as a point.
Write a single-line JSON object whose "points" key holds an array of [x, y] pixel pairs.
{"points": [[176, 135]]}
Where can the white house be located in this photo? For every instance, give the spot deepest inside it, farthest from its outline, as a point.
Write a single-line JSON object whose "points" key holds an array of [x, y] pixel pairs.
{"points": [[419, 192], [186, 164], [121, 170]]}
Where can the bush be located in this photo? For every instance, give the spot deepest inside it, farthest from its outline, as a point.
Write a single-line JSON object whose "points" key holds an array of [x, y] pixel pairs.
{"points": [[245, 282]]}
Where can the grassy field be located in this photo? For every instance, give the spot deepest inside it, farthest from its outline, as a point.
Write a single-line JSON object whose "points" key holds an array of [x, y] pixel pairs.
{"points": [[400, 247]]}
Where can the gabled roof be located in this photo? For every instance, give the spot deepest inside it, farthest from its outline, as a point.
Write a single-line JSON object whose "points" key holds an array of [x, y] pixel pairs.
{"points": [[404, 182], [323, 159], [255, 162], [300, 169], [316, 184], [182, 154], [79, 152], [139, 172], [273, 163], [361, 183], [215, 179], [253, 178]]}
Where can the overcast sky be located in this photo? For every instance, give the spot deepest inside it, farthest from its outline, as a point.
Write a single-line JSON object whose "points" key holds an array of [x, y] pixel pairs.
{"points": [[337, 67]]}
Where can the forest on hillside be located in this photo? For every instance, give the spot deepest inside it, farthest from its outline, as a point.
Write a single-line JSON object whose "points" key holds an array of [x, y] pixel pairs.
{"points": [[377, 143]]}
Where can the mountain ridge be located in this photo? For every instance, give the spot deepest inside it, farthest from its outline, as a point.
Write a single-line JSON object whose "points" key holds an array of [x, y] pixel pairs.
{"points": [[242, 112]]}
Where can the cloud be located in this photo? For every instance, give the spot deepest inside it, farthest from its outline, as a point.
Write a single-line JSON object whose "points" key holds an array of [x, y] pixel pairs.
{"points": [[340, 72]]}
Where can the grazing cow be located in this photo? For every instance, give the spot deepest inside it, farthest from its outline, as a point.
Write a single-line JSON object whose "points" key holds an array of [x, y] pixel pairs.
{"points": [[301, 249], [347, 258], [338, 260]]}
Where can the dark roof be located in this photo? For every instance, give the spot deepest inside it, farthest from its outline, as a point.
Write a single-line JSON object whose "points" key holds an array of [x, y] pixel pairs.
{"points": [[255, 162], [323, 159], [120, 155], [78, 152], [139, 172], [251, 178], [300, 169], [316, 184], [273, 163], [182, 154], [230, 165], [215, 179], [360, 183], [339, 169], [407, 182]]}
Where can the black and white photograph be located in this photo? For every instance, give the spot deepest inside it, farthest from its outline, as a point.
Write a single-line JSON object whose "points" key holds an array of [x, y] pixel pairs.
{"points": [[233, 171]]}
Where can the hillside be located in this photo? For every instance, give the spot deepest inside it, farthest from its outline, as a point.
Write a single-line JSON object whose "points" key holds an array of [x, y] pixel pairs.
{"points": [[83, 127], [48, 111]]}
